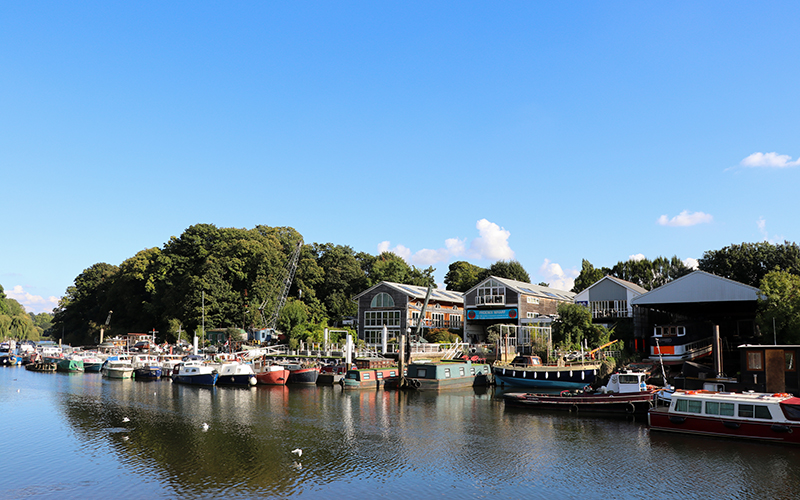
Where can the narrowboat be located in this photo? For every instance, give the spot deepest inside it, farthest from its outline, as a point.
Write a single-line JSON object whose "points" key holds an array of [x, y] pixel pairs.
{"points": [[195, 373], [626, 392], [748, 415], [427, 376], [368, 378], [529, 371], [273, 375], [235, 373]]}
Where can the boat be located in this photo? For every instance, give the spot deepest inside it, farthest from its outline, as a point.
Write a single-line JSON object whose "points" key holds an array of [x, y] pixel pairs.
{"points": [[146, 367], [299, 374], [674, 344], [747, 415], [235, 373], [92, 363], [7, 356], [368, 378], [529, 371], [70, 364], [195, 373], [117, 367], [331, 374], [427, 376], [273, 375], [626, 392], [41, 366], [168, 362]]}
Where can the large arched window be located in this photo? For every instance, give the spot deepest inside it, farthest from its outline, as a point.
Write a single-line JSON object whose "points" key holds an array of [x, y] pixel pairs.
{"points": [[382, 300]]}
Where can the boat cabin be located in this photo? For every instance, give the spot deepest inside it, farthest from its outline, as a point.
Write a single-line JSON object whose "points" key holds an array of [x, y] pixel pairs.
{"points": [[526, 361]]}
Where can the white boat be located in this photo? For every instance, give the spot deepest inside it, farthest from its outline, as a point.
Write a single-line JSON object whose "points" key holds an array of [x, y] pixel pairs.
{"points": [[235, 373], [118, 368], [195, 373]]}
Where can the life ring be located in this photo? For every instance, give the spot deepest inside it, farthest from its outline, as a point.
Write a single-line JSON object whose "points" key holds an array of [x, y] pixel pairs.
{"points": [[781, 395]]}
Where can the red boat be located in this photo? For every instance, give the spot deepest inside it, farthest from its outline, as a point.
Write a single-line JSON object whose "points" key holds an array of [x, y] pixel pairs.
{"points": [[273, 375], [749, 415]]}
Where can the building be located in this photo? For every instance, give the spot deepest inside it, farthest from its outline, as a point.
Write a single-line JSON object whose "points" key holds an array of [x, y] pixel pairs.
{"points": [[610, 299], [503, 301], [397, 307]]}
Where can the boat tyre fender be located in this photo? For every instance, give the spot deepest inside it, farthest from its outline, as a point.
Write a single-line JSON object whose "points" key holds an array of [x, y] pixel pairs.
{"points": [[574, 408], [415, 383], [630, 409]]}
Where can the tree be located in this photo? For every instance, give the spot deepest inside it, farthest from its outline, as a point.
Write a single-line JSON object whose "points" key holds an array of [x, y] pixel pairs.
{"points": [[510, 269], [574, 325], [588, 276], [391, 267], [461, 276], [779, 306], [749, 263]]}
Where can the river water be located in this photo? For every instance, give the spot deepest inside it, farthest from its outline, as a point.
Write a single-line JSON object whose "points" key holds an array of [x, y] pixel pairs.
{"points": [[66, 436]]}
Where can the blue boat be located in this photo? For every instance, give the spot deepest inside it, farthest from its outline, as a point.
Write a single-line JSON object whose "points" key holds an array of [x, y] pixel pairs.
{"points": [[528, 371], [195, 373]]}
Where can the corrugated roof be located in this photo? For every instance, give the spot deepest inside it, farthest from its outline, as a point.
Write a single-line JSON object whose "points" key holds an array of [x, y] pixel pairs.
{"points": [[531, 289], [419, 292], [698, 286]]}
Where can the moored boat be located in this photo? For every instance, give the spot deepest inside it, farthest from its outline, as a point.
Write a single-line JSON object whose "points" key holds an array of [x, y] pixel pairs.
{"points": [[117, 367], [273, 375], [41, 366], [529, 371], [195, 373], [146, 367], [331, 374], [235, 373], [72, 364], [749, 415], [426, 376], [368, 378], [626, 392], [299, 374]]}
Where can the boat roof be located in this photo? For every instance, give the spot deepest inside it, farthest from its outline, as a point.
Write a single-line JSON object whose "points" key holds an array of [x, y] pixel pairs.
{"points": [[740, 397]]}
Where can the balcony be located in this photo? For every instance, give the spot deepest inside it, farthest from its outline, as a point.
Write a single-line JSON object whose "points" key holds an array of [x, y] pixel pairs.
{"points": [[490, 299], [611, 313]]}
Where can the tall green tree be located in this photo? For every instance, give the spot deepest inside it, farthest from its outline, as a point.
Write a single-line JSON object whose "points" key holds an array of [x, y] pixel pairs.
{"points": [[461, 276], [588, 276], [509, 269], [574, 325], [779, 307], [749, 263]]}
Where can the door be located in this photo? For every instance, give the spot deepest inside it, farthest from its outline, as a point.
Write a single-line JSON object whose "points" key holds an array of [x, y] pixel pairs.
{"points": [[775, 370]]}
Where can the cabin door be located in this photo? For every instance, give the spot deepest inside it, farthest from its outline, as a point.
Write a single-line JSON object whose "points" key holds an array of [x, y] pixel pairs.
{"points": [[775, 370]]}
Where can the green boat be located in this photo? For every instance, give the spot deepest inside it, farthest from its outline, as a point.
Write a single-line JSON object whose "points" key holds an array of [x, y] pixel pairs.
{"points": [[70, 365]]}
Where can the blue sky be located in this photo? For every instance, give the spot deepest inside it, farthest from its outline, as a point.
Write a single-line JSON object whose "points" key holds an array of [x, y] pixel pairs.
{"points": [[542, 132]]}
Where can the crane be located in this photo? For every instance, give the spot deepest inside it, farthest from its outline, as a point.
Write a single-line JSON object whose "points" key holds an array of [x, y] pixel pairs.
{"points": [[286, 278], [102, 328]]}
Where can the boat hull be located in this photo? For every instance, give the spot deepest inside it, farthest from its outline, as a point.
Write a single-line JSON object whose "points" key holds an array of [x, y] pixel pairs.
{"points": [[69, 366], [273, 377], [303, 376], [240, 380], [204, 379], [92, 367], [632, 403], [119, 373], [147, 373], [41, 366], [576, 377], [661, 420]]}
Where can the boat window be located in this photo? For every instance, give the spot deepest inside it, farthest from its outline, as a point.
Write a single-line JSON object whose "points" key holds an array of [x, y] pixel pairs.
{"points": [[365, 376], [628, 379], [379, 375], [422, 372], [352, 375], [461, 371], [746, 411], [392, 373], [447, 373], [754, 360], [472, 371], [680, 405], [791, 411], [763, 412], [726, 409], [695, 407], [712, 408]]}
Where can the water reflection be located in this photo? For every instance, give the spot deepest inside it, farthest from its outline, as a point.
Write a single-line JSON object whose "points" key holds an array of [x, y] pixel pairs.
{"points": [[129, 439]]}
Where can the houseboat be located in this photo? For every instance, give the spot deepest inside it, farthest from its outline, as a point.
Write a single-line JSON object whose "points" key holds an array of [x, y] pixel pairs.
{"points": [[529, 371], [674, 344], [368, 378], [749, 415], [626, 392], [427, 376]]}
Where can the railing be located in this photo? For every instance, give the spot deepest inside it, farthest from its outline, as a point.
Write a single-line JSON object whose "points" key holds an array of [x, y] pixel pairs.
{"points": [[611, 313]]}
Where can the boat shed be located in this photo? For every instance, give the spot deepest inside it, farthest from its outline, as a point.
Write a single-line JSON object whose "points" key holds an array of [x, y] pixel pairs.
{"points": [[700, 297]]}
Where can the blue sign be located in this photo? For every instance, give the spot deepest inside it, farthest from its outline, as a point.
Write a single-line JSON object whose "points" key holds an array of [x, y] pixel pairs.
{"points": [[492, 313]]}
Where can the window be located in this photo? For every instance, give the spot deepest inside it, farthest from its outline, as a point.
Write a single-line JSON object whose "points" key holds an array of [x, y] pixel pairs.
{"points": [[491, 292], [379, 375], [689, 406], [533, 300], [437, 319], [755, 360], [790, 363], [422, 372], [763, 412], [447, 373], [532, 315], [455, 321], [721, 409], [365, 376], [380, 318], [382, 300], [746, 411], [461, 371], [376, 336], [472, 371], [669, 331]]}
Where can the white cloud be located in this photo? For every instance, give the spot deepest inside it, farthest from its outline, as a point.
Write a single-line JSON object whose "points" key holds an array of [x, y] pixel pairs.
{"points": [[32, 303], [690, 263], [769, 160], [399, 250], [556, 276], [685, 219], [492, 244], [637, 257], [762, 228]]}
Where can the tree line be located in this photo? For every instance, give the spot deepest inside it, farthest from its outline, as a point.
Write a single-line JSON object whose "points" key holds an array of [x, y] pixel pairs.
{"points": [[15, 323]]}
